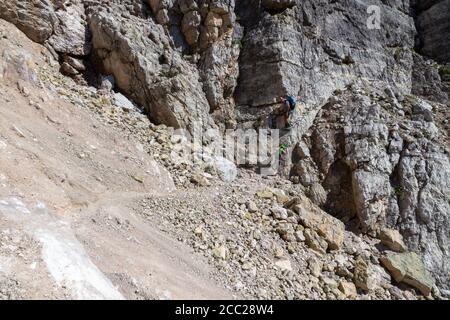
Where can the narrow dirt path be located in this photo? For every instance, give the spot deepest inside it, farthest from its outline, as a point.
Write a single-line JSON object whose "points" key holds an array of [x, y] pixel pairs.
{"points": [[143, 261]]}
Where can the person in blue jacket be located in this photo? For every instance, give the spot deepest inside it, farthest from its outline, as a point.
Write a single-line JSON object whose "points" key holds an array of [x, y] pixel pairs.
{"points": [[288, 106]]}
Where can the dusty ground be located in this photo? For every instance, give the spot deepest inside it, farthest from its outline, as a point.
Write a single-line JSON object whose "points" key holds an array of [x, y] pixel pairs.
{"points": [[62, 182]]}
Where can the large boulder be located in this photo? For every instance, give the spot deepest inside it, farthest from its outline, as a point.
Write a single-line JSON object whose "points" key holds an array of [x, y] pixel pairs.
{"points": [[34, 18], [408, 268], [328, 227], [225, 168], [368, 276]]}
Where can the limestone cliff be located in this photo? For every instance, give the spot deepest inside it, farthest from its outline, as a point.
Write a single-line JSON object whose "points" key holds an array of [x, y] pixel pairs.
{"points": [[370, 144]]}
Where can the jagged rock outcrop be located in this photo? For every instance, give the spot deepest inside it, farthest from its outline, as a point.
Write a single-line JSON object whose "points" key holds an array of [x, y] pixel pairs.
{"points": [[207, 29], [66, 27], [61, 25], [308, 51], [433, 25], [427, 81], [385, 162], [34, 18], [71, 34], [205, 22], [219, 71], [139, 55]]}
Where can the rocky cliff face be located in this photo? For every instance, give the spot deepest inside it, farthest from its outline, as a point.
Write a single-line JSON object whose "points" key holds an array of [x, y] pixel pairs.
{"points": [[370, 143], [307, 50], [138, 54], [433, 24], [385, 162]]}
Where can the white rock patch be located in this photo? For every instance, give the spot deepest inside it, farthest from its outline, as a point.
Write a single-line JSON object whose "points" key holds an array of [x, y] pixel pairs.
{"points": [[65, 257]]}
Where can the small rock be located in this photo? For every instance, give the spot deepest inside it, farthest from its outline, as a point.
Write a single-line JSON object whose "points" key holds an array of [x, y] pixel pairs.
{"points": [[107, 83], [198, 231], [220, 252], [138, 178], [348, 289], [299, 236], [200, 180], [257, 235], [279, 213], [278, 252], [247, 266], [281, 197], [252, 207], [23, 88], [77, 64], [315, 242], [329, 282], [265, 194], [122, 102], [288, 236], [315, 266], [19, 132], [284, 264], [290, 249], [67, 69]]}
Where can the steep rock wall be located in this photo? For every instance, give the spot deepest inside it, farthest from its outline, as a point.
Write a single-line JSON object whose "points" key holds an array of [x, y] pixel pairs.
{"points": [[379, 160], [314, 47], [433, 24]]}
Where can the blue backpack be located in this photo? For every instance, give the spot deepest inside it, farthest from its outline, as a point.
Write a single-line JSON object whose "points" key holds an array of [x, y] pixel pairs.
{"points": [[292, 102]]}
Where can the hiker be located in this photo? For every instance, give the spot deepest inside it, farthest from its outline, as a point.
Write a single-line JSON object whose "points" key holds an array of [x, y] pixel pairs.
{"points": [[288, 106]]}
